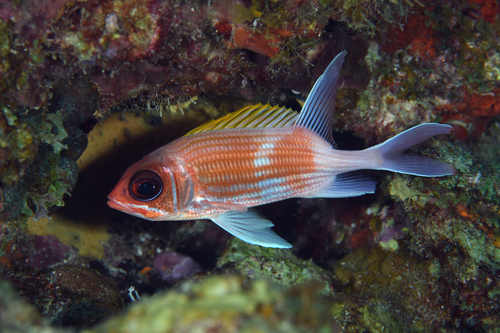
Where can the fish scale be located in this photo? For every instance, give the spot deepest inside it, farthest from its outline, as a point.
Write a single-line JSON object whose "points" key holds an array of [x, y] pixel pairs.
{"points": [[283, 155]]}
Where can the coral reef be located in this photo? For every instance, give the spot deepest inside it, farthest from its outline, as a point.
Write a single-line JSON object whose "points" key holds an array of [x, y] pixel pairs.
{"points": [[225, 304], [400, 281], [115, 79]]}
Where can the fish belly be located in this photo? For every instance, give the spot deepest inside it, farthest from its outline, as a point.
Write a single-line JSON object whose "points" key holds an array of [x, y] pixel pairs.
{"points": [[256, 166]]}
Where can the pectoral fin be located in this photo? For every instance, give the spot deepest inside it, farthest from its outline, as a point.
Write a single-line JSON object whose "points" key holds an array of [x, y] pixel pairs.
{"points": [[251, 228]]}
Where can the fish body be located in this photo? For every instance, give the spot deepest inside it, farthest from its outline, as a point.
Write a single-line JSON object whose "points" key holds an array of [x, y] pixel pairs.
{"points": [[260, 155]]}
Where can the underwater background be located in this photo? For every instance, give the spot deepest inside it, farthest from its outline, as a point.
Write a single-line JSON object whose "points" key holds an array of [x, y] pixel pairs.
{"points": [[89, 87]]}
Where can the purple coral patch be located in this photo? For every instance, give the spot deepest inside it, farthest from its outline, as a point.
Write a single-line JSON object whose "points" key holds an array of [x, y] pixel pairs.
{"points": [[173, 266], [47, 250]]}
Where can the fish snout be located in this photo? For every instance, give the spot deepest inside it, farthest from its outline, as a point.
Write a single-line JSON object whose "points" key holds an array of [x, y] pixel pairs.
{"points": [[114, 204]]}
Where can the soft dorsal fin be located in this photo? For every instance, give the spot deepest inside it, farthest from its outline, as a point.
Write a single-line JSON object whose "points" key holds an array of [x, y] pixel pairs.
{"points": [[252, 116], [317, 112]]}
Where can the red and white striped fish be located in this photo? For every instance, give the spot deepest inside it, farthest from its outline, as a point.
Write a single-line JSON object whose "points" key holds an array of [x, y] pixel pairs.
{"points": [[263, 154]]}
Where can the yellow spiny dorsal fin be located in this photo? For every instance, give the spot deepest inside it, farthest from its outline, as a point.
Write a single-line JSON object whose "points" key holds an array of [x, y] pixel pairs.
{"points": [[252, 116]]}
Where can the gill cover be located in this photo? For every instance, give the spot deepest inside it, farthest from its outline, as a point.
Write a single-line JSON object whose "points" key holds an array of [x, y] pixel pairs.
{"points": [[181, 187]]}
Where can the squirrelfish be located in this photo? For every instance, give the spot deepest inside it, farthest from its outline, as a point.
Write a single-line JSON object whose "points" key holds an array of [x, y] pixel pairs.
{"points": [[263, 154]]}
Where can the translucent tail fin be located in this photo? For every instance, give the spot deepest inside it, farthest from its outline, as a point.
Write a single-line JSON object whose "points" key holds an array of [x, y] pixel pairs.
{"points": [[393, 158]]}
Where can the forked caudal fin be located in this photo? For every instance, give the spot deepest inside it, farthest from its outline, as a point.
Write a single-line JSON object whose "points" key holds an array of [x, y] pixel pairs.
{"points": [[393, 158]]}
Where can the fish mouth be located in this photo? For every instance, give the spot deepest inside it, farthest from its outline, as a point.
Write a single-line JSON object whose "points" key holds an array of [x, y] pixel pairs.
{"points": [[119, 206]]}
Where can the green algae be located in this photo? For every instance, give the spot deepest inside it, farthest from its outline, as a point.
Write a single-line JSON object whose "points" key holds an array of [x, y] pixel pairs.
{"points": [[371, 16], [367, 315], [373, 58], [17, 139], [247, 14], [33, 155], [5, 47], [52, 132], [399, 188], [278, 265], [56, 180]]}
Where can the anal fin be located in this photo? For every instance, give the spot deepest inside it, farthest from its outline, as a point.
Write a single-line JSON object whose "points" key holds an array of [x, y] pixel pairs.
{"points": [[250, 228], [349, 184]]}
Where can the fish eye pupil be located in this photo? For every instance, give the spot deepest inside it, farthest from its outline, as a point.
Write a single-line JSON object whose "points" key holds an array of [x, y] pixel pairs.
{"points": [[145, 185], [146, 188]]}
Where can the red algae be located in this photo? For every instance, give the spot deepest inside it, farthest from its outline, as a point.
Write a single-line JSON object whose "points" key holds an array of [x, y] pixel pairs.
{"points": [[223, 28], [489, 9], [255, 42], [472, 113], [420, 38]]}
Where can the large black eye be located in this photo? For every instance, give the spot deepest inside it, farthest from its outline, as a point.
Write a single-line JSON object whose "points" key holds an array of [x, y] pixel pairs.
{"points": [[145, 185]]}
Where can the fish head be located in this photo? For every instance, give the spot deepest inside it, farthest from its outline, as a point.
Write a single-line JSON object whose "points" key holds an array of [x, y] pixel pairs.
{"points": [[153, 189]]}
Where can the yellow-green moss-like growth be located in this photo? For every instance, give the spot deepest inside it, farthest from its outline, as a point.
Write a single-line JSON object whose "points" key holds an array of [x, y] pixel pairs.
{"points": [[392, 290], [224, 304], [371, 16], [278, 265]]}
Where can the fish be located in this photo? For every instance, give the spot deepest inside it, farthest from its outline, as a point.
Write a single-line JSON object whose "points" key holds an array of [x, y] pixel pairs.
{"points": [[263, 154]]}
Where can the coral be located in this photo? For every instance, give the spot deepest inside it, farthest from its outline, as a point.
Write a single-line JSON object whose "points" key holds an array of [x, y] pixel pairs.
{"points": [[278, 265], [255, 42], [90, 295], [465, 46], [223, 28], [16, 315], [465, 216], [419, 36], [278, 30], [225, 304], [51, 181], [68, 295], [456, 218], [39, 150], [18, 149], [174, 266], [53, 133], [76, 100], [45, 251], [488, 9], [472, 113], [371, 16], [370, 314], [399, 290]]}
